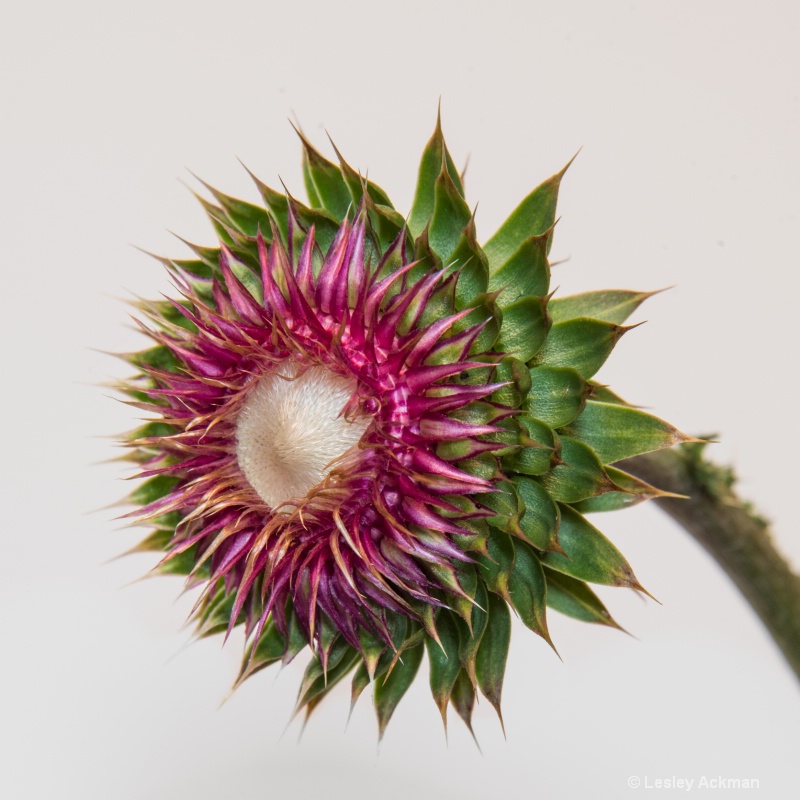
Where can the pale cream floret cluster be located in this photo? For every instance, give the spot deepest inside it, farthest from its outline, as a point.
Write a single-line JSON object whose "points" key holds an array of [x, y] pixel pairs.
{"points": [[290, 431]]}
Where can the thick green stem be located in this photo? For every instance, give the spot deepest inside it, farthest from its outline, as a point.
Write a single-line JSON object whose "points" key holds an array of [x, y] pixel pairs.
{"points": [[732, 533]]}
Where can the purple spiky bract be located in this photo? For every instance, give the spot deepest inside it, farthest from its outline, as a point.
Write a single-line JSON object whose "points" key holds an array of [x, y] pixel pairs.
{"points": [[358, 544]]}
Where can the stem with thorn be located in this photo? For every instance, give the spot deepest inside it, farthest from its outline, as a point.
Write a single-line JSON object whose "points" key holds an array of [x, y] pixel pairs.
{"points": [[728, 528]]}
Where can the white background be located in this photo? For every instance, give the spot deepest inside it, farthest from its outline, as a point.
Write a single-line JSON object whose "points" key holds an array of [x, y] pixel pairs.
{"points": [[689, 119]]}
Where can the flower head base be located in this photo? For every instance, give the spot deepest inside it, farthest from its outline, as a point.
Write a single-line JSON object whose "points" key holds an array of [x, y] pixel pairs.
{"points": [[372, 436]]}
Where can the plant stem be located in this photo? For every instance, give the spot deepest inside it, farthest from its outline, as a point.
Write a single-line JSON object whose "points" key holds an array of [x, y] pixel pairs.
{"points": [[738, 539]]}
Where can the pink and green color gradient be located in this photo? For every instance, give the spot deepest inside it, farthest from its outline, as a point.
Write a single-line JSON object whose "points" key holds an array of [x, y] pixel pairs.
{"points": [[374, 437]]}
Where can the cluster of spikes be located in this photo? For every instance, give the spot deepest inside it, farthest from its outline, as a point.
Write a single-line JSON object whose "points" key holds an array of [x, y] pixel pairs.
{"points": [[474, 436]]}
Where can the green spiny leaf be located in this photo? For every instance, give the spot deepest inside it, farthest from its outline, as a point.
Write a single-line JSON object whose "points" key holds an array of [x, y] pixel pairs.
{"points": [[218, 218], [324, 182], [318, 682], [155, 542], [557, 395], [248, 278], [385, 222], [371, 650], [482, 466], [479, 412], [166, 311], [615, 432], [358, 185], [166, 522], [430, 167], [417, 637], [182, 564], [278, 205], [608, 305], [541, 518], [450, 218], [473, 275], [215, 616], [526, 273], [317, 668], [460, 581], [533, 216], [420, 313], [159, 357], [507, 436], [444, 662], [152, 489], [359, 683], [466, 507], [308, 182], [325, 225], [634, 491], [575, 599], [528, 590], [295, 635], [602, 394], [470, 638], [580, 476], [208, 255], [269, 649], [463, 699], [508, 508], [153, 430], [238, 215], [328, 637], [195, 267], [493, 652], [516, 374], [486, 311], [582, 344], [587, 554], [540, 448], [495, 567], [525, 327], [427, 260], [390, 690]]}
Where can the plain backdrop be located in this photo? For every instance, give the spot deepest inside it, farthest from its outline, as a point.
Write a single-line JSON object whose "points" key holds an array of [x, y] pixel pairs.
{"points": [[688, 117]]}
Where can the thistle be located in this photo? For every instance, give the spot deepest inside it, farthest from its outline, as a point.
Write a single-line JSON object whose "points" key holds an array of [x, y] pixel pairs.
{"points": [[374, 437]]}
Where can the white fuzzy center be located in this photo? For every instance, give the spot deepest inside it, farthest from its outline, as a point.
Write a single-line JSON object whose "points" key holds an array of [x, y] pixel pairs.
{"points": [[289, 431]]}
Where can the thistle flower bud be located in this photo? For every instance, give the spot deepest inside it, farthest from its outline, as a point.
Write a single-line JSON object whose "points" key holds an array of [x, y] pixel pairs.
{"points": [[374, 437]]}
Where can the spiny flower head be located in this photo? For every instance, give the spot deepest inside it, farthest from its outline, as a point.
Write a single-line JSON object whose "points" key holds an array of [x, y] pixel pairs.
{"points": [[373, 437]]}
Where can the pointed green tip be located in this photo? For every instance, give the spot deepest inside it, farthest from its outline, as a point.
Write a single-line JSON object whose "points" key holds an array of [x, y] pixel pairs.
{"points": [[441, 704], [630, 581], [307, 146], [560, 174], [495, 704], [545, 634]]}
